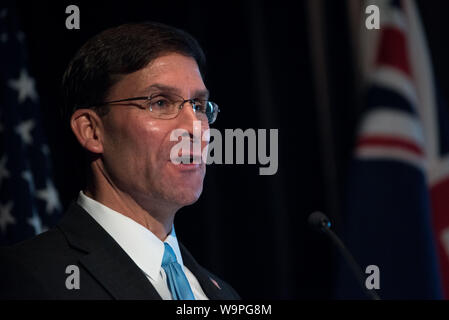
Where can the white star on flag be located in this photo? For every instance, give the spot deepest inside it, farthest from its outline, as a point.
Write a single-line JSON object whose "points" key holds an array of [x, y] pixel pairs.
{"points": [[45, 150], [28, 176], [24, 86], [24, 130], [36, 223], [4, 173], [5, 216], [20, 36], [3, 13], [50, 195]]}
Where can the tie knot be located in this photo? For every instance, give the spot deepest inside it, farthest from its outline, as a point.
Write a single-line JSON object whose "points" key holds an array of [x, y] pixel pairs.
{"points": [[169, 255]]}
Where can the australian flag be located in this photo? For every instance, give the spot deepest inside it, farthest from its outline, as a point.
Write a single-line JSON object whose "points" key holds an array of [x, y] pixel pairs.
{"points": [[29, 202], [397, 206]]}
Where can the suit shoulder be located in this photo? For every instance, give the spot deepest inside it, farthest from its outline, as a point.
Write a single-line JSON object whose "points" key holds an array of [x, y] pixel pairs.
{"points": [[27, 266], [36, 255], [47, 243]]}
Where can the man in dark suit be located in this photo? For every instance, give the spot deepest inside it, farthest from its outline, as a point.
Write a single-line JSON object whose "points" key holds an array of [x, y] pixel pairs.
{"points": [[127, 90]]}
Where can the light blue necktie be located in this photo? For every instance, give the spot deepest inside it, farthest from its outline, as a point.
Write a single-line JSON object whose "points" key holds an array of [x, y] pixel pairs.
{"points": [[177, 280]]}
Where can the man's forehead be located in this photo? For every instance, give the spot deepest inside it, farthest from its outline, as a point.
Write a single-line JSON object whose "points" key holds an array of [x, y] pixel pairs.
{"points": [[159, 87], [173, 63], [172, 73]]}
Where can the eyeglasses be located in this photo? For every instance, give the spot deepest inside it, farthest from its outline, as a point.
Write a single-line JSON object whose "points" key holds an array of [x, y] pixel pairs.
{"points": [[168, 106]]}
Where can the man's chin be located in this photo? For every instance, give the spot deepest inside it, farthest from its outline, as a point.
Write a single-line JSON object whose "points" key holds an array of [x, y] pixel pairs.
{"points": [[188, 198], [185, 186]]}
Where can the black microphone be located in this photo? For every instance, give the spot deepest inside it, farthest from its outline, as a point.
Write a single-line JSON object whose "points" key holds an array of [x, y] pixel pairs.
{"points": [[319, 221]]}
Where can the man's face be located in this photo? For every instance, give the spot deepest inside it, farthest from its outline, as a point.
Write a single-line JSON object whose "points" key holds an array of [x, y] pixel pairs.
{"points": [[137, 144]]}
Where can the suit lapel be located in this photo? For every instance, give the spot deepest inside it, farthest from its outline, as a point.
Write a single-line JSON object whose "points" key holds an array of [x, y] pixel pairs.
{"points": [[211, 285], [104, 258]]}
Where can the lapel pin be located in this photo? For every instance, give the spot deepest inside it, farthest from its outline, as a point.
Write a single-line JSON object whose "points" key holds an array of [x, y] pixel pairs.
{"points": [[215, 283]]}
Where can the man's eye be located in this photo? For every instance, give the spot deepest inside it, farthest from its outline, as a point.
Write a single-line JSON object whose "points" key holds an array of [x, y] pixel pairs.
{"points": [[200, 105], [159, 103]]}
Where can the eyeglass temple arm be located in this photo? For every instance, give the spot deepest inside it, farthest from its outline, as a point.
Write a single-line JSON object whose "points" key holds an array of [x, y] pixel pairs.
{"points": [[121, 100]]}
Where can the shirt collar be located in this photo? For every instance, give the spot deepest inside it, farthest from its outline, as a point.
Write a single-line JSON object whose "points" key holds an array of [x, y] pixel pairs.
{"points": [[141, 245]]}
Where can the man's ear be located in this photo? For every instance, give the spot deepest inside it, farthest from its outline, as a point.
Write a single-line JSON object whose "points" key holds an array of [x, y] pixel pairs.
{"points": [[88, 129]]}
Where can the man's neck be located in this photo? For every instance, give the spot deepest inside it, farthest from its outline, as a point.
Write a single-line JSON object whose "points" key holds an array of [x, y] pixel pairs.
{"points": [[159, 223]]}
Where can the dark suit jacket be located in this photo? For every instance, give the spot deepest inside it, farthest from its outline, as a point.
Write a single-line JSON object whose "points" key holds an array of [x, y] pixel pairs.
{"points": [[36, 268]]}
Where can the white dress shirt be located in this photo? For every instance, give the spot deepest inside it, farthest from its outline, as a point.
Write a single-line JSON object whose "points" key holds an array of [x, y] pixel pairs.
{"points": [[141, 245]]}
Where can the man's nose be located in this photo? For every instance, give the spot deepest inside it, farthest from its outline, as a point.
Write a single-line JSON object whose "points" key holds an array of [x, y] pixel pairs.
{"points": [[188, 120], [187, 112]]}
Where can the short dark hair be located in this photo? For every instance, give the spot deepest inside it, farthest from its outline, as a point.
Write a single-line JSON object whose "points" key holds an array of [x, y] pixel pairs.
{"points": [[115, 52]]}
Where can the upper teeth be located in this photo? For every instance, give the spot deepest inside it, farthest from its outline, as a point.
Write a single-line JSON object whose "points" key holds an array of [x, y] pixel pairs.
{"points": [[189, 159]]}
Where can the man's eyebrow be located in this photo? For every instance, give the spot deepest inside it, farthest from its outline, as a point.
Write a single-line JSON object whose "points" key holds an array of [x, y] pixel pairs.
{"points": [[202, 93]]}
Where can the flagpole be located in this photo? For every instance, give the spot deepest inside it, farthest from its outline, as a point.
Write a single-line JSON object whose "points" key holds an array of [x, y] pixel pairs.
{"points": [[317, 45], [354, 8]]}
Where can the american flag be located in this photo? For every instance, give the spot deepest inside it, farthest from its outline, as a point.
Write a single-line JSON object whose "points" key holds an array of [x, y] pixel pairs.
{"points": [[398, 204], [29, 201]]}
